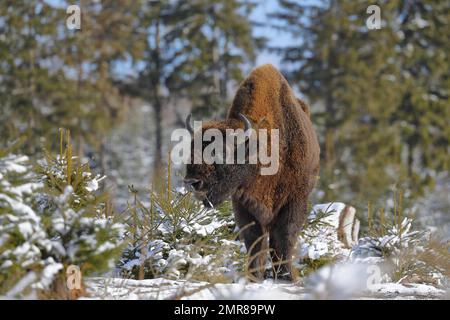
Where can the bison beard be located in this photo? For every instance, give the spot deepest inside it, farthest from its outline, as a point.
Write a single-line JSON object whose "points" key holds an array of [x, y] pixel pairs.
{"points": [[269, 210]]}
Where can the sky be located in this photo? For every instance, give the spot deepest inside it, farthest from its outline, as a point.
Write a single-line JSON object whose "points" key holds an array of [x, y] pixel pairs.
{"points": [[275, 37]]}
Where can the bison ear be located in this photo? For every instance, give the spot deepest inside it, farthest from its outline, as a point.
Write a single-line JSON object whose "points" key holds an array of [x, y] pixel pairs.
{"points": [[188, 124]]}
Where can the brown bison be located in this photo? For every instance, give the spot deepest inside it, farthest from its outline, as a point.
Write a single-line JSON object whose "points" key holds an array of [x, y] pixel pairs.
{"points": [[265, 206]]}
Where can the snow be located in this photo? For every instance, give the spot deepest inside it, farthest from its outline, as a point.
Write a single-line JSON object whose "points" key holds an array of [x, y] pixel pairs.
{"points": [[105, 247], [346, 279], [27, 188], [323, 241], [26, 229], [22, 249], [6, 264], [416, 290], [40, 241], [48, 273], [339, 281], [13, 163], [394, 239], [204, 230], [22, 284], [329, 208], [19, 206], [420, 22], [92, 185], [161, 289], [154, 252], [315, 250]]}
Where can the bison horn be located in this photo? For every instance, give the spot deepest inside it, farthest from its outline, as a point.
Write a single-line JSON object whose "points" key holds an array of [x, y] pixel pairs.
{"points": [[188, 124], [247, 127]]}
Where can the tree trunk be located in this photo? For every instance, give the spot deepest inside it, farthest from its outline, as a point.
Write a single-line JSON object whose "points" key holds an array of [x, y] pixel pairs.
{"points": [[59, 290], [103, 158], [157, 162], [225, 79], [410, 160], [157, 106]]}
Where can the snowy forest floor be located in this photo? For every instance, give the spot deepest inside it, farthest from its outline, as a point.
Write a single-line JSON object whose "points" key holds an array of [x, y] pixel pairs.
{"points": [[116, 288], [431, 210]]}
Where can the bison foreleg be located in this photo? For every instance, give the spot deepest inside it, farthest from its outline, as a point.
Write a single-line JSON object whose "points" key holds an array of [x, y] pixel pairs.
{"points": [[283, 238], [255, 239]]}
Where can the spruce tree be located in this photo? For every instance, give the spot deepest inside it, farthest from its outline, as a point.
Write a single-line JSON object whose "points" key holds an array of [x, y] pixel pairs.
{"points": [[27, 82], [53, 77], [423, 111], [375, 102]]}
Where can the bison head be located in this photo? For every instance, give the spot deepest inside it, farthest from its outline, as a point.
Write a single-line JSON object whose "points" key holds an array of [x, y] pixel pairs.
{"points": [[213, 183]]}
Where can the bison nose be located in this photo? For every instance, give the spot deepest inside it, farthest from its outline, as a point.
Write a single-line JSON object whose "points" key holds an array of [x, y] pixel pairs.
{"points": [[195, 184]]}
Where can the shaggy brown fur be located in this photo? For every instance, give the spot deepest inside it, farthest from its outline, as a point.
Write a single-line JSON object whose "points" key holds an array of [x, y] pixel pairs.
{"points": [[274, 205]]}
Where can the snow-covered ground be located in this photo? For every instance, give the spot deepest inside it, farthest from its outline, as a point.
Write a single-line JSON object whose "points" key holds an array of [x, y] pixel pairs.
{"points": [[358, 272], [116, 288], [431, 212]]}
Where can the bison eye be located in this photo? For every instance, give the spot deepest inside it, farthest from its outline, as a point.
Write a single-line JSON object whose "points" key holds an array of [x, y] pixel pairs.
{"points": [[195, 184]]}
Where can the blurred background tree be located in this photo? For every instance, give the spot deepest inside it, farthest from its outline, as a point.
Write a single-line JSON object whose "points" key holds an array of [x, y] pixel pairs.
{"points": [[55, 77], [109, 37], [424, 111], [29, 83], [362, 84]]}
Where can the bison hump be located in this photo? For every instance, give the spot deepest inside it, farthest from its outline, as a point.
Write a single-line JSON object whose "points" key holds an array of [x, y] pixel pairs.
{"points": [[258, 96]]}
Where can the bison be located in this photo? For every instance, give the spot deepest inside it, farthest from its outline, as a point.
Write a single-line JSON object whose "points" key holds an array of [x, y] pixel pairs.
{"points": [[268, 209]]}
